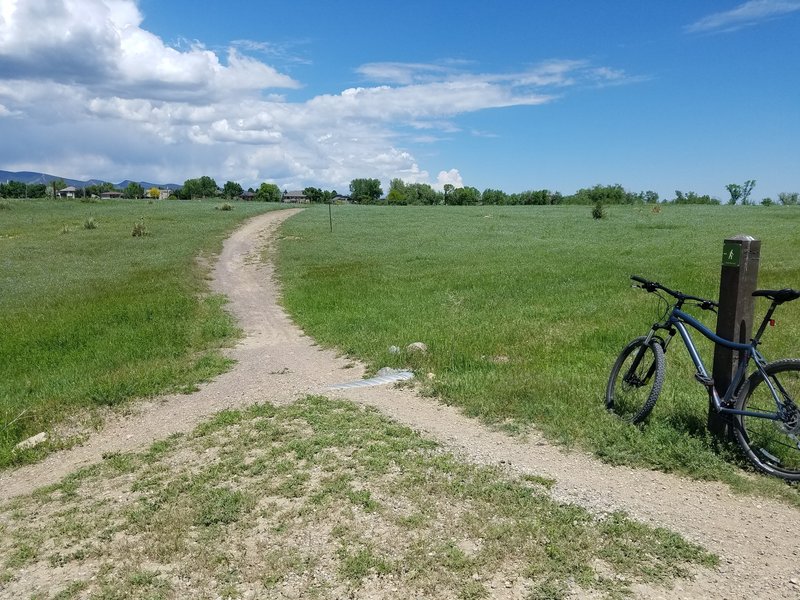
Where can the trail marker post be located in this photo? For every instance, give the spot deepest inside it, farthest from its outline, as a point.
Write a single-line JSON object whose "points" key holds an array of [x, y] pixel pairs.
{"points": [[740, 259]]}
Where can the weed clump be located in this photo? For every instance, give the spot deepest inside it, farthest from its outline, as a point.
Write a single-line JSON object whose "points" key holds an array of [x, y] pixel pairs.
{"points": [[5, 205], [226, 206], [139, 229], [90, 223], [598, 212]]}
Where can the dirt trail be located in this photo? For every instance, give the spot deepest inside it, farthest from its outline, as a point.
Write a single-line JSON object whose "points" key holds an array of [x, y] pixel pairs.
{"points": [[756, 539]]}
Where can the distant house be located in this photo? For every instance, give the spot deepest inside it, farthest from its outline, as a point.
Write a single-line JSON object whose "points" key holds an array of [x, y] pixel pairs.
{"points": [[247, 196], [112, 194], [164, 194], [68, 192], [296, 196], [340, 199]]}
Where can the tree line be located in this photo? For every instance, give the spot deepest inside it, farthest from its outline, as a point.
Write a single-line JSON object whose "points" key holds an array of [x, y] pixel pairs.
{"points": [[369, 191]]}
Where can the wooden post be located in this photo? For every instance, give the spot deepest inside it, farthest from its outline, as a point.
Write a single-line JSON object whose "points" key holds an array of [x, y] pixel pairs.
{"points": [[740, 258]]}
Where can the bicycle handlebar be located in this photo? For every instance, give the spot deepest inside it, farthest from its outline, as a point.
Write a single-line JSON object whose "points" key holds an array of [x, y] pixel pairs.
{"points": [[652, 286]]}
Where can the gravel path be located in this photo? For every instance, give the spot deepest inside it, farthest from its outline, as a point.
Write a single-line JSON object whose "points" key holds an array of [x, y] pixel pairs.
{"points": [[756, 539]]}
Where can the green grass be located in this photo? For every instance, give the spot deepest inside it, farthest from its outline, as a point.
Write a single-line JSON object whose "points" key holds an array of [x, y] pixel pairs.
{"points": [[92, 315], [372, 506], [524, 309]]}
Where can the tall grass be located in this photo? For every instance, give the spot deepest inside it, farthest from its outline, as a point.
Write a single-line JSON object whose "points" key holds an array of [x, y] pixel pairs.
{"points": [[524, 309], [93, 317]]}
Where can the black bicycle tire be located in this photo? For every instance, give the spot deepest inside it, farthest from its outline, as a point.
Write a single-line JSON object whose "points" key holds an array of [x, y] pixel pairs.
{"points": [[658, 378], [740, 429]]}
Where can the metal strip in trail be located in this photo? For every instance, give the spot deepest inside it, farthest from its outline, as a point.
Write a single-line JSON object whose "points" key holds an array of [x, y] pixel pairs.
{"points": [[378, 380]]}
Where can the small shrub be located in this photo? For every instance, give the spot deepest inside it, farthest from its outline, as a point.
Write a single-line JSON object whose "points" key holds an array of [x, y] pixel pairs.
{"points": [[656, 209], [139, 229], [90, 223], [767, 202], [598, 212], [225, 206]]}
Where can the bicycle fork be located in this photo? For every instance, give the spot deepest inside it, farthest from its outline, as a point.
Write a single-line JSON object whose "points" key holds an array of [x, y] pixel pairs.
{"points": [[631, 377]]}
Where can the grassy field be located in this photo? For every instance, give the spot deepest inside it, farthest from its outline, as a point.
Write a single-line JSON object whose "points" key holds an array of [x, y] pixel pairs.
{"points": [[524, 309], [91, 315], [320, 500]]}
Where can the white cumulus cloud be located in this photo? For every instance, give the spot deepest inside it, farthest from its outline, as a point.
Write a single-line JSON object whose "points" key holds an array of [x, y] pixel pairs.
{"points": [[85, 84], [453, 177]]}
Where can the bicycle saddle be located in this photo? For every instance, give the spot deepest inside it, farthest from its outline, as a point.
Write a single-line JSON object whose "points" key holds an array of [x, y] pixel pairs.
{"points": [[779, 296]]}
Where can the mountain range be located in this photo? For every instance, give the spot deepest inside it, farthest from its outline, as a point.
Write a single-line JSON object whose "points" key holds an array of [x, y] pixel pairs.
{"points": [[34, 177]]}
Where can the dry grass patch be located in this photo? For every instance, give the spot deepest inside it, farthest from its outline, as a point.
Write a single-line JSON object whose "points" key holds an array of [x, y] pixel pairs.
{"points": [[321, 499]]}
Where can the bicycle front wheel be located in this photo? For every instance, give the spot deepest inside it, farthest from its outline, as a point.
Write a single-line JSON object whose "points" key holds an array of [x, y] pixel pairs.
{"points": [[636, 380], [772, 444]]}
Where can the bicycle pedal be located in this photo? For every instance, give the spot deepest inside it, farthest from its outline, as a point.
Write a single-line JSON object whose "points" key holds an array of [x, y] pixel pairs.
{"points": [[704, 379]]}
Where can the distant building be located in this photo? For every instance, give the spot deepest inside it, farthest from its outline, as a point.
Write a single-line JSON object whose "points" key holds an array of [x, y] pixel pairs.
{"points": [[296, 196], [247, 195], [112, 194], [164, 194], [68, 192]]}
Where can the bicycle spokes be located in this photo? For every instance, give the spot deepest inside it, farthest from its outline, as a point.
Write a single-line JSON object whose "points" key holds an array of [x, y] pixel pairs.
{"points": [[774, 438]]}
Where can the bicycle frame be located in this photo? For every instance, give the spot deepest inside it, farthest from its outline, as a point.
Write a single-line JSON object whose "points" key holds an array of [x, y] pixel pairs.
{"points": [[678, 320]]}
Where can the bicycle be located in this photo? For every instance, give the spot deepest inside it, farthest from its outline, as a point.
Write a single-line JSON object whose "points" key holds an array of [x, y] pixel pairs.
{"points": [[765, 414]]}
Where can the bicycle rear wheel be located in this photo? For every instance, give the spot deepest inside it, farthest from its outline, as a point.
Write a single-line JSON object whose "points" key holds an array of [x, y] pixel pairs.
{"points": [[636, 380], [773, 446]]}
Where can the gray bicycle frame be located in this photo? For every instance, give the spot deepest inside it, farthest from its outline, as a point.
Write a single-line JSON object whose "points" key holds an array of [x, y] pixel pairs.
{"points": [[679, 319]]}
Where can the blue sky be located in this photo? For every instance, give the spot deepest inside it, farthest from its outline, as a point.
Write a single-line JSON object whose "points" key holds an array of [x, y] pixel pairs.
{"points": [[514, 95]]}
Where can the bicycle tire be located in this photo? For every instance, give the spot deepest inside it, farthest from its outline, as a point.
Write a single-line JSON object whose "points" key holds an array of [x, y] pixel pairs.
{"points": [[632, 395], [772, 446]]}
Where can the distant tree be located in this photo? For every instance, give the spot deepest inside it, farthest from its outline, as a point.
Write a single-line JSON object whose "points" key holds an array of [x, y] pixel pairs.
{"points": [[268, 192], [649, 197], [203, 187], [329, 195], [536, 197], [448, 189], [767, 202], [231, 189], [154, 193], [397, 192], [365, 191], [14, 189], [740, 192], [401, 192], [789, 199], [465, 196], [693, 198], [421, 193], [133, 190], [314, 195], [98, 188], [55, 186], [605, 194], [491, 196]]}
